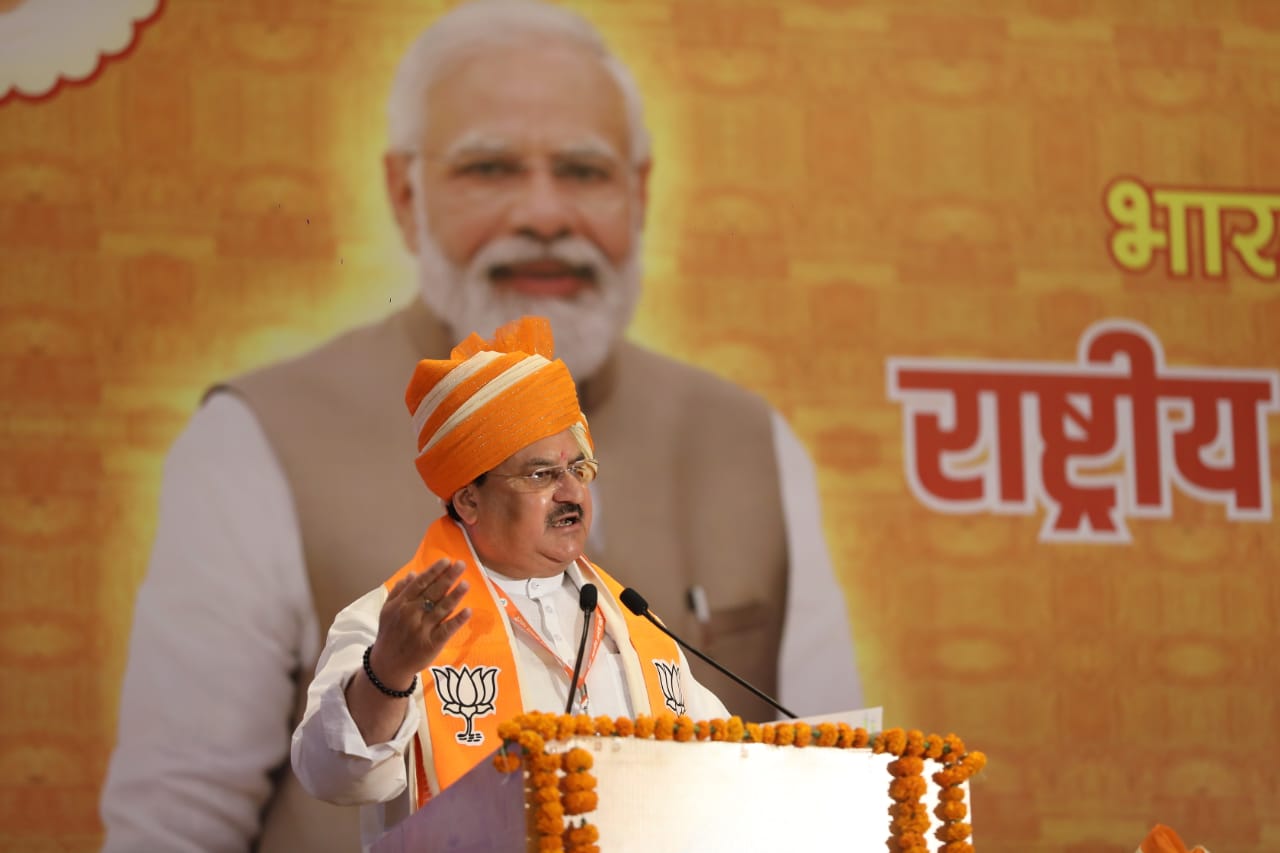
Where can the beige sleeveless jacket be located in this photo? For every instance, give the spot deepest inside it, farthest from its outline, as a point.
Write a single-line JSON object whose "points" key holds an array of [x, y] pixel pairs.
{"points": [[688, 494]]}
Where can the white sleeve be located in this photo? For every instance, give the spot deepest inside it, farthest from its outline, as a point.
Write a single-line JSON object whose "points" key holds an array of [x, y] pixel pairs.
{"points": [[329, 754], [817, 669], [222, 623]]}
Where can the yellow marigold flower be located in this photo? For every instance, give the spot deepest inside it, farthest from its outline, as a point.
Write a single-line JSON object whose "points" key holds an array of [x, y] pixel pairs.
{"points": [[735, 730]]}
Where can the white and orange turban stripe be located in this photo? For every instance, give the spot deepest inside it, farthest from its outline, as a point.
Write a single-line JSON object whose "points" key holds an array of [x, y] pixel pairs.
{"points": [[489, 400]]}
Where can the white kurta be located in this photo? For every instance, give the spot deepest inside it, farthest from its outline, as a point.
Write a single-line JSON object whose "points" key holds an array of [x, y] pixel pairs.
{"points": [[224, 617], [331, 758]]}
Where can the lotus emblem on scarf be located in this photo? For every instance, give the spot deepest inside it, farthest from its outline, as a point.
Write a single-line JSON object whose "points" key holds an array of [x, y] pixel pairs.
{"points": [[467, 693], [669, 680]]}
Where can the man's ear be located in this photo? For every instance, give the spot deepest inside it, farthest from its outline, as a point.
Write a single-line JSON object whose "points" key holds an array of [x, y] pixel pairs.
{"points": [[642, 189], [466, 504], [400, 194]]}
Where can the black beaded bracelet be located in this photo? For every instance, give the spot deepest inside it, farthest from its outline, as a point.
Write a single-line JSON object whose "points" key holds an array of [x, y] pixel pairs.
{"points": [[373, 679]]}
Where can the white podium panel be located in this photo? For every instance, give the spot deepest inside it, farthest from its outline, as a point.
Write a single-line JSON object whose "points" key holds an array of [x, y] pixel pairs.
{"points": [[681, 798]]}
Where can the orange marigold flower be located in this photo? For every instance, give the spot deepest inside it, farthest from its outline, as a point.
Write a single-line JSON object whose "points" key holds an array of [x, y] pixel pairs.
{"points": [[565, 726], [786, 734], [895, 740], [509, 730], [907, 788], [827, 734], [684, 728], [769, 734], [956, 847], [506, 762], [550, 819], [933, 747], [953, 832], [545, 725], [948, 777], [550, 844], [577, 760], [906, 766], [546, 795], [877, 743], [644, 726], [860, 738], [624, 727], [804, 734], [583, 726], [755, 732], [952, 794], [531, 741], [544, 780], [580, 802], [716, 729], [545, 763], [949, 811], [604, 726], [664, 726], [915, 743], [974, 762], [953, 747]]}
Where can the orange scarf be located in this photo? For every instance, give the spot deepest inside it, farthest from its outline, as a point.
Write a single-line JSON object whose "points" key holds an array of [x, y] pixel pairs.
{"points": [[472, 685]]}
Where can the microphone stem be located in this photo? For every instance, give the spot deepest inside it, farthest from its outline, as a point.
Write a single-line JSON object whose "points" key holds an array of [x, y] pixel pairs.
{"points": [[759, 694], [577, 666]]}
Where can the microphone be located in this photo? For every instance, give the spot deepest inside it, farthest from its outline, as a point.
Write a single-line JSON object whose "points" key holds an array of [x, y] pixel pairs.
{"points": [[635, 602], [587, 602]]}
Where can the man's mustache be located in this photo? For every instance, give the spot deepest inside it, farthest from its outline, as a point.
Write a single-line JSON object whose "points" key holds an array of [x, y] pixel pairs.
{"points": [[564, 511]]}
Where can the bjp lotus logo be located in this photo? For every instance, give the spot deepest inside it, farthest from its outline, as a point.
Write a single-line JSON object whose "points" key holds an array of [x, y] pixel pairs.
{"points": [[669, 681], [467, 693]]}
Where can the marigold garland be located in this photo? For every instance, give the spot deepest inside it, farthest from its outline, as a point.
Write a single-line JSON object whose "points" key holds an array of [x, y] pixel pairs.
{"points": [[560, 785]]}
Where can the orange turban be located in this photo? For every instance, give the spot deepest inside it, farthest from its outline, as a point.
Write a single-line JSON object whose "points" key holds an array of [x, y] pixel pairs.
{"points": [[488, 401]]}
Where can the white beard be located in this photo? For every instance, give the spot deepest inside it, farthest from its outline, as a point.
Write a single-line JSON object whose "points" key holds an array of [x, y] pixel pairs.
{"points": [[586, 326]]}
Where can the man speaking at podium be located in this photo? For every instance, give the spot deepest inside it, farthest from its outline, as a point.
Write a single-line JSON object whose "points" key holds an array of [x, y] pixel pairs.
{"points": [[481, 624], [517, 169]]}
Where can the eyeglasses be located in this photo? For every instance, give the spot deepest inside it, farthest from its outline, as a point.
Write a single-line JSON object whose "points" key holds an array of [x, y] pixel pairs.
{"points": [[546, 479]]}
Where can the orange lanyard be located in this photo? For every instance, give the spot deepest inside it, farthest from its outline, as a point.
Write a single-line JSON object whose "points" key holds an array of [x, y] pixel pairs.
{"points": [[517, 619]]}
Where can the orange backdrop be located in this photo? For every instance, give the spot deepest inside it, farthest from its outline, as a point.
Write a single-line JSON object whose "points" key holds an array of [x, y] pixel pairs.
{"points": [[836, 183]]}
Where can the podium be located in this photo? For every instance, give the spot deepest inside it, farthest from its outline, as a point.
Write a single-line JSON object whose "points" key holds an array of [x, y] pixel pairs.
{"points": [[674, 797]]}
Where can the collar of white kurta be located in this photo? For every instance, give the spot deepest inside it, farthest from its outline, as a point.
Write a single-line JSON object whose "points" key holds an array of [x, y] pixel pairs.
{"points": [[473, 685]]}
